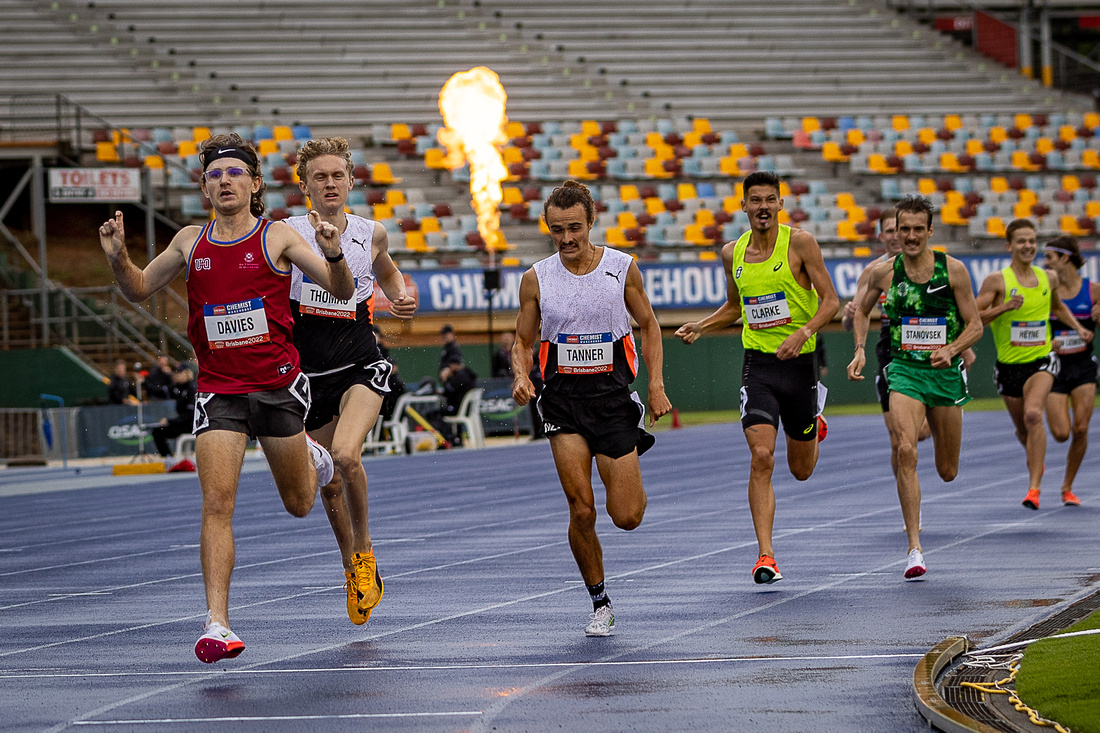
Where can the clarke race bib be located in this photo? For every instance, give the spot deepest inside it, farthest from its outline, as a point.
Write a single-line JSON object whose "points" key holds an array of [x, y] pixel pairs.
{"points": [[766, 311], [316, 301], [236, 324], [923, 334], [585, 353]]}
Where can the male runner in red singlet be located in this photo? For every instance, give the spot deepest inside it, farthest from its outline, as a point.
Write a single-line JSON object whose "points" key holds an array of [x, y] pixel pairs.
{"points": [[238, 290]]}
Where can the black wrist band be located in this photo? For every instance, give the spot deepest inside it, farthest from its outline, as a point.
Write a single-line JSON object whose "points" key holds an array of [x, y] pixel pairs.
{"points": [[337, 258]]}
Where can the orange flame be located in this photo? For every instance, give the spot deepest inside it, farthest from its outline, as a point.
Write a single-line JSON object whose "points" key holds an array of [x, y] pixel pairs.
{"points": [[472, 103]]}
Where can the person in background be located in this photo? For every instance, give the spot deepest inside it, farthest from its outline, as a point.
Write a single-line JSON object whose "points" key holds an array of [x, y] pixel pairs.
{"points": [[158, 382], [502, 357], [120, 389], [183, 392]]}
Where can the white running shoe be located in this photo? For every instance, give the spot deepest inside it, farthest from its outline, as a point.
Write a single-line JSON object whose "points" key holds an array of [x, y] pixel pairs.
{"points": [[915, 568], [217, 642], [602, 622], [322, 461]]}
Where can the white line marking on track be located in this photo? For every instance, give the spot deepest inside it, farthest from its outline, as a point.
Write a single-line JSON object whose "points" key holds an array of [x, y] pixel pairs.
{"points": [[265, 718]]}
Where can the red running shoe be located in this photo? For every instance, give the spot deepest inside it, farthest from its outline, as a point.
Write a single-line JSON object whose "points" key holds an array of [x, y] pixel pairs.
{"points": [[1031, 501], [765, 570], [822, 428], [1070, 499]]}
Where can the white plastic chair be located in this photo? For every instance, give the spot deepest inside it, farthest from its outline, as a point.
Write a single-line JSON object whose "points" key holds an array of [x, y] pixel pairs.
{"points": [[185, 447], [468, 418]]}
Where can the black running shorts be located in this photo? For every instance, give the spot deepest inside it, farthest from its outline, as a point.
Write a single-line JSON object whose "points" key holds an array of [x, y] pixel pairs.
{"points": [[774, 391], [329, 389], [274, 413], [1010, 378], [1075, 370], [612, 425]]}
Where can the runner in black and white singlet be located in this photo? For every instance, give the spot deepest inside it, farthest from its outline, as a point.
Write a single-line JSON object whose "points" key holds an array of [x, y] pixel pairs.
{"points": [[339, 353], [584, 297], [1075, 385], [238, 283]]}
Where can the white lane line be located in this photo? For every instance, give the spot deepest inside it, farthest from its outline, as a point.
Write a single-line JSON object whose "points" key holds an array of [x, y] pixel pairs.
{"points": [[359, 669], [269, 718]]}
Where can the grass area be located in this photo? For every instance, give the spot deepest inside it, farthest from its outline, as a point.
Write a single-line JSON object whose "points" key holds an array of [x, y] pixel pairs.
{"points": [[1061, 678]]}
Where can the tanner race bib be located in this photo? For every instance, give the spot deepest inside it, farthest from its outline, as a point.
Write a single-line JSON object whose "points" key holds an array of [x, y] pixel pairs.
{"points": [[766, 311], [923, 334], [236, 324], [1028, 333], [585, 353], [317, 301]]}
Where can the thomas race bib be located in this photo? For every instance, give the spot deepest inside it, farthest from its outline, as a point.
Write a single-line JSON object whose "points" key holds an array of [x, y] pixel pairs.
{"points": [[923, 334], [236, 324], [585, 353], [766, 311], [316, 301]]}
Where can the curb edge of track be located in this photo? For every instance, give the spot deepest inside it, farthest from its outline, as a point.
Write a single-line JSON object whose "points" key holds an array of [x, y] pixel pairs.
{"points": [[930, 704]]}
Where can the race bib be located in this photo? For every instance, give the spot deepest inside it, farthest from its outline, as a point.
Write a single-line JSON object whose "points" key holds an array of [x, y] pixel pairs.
{"points": [[1028, 333], [585, 353], [236, 324], [316, 301], [766, 311], [1071, 342], [923, 334]]}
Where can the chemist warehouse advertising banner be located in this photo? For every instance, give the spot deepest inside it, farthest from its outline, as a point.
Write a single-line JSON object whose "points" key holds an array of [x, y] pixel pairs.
{"points": [[670, 286]]}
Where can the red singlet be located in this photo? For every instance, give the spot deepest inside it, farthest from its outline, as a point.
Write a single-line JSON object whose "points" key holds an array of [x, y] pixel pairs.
{"points": [[239, 318]]}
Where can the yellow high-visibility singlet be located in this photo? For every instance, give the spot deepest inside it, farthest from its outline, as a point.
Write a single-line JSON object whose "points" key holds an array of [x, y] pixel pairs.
{"points": [[1023, 335], [774, 305]]}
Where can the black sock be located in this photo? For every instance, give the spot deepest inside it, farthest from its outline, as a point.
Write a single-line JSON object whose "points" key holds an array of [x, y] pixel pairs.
{"points": [[599, 597]]}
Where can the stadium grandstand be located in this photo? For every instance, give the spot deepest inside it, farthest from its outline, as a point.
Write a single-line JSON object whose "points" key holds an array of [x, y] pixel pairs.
{"points": [[660, 107]]}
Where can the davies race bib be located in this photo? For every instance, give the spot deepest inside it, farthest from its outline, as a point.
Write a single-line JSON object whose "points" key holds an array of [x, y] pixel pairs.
{"points": [[236, 324]]}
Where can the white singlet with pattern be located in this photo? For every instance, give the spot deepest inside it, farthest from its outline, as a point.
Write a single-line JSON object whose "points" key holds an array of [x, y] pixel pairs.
{"points": [[583, 309], [356, 243]]}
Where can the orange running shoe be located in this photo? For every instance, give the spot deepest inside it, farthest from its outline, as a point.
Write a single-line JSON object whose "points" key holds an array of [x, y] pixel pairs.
{"points": [[822, 428], [1031, 501], [765, 570], [1070, 499]]}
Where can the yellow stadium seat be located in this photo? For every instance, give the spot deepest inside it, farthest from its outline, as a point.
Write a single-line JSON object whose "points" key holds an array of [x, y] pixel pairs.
{"points": [[731, 204], [627, 220], [395, 197], [1022, 121], [784, 189], [382, 211], [857, 214], [654, 168], [701, 126], [578, 169], [1044, 145], [1092, 120], [846, 230], [515, 129], [629, 192], [429, 224], [1021, 210], [187, 147], [1092, 209], [708, 256], [1027, 196], [810, 124], [855, 136], [282, 132], [578, 140], [926, 135], [655, 139], [728, 167], [414, 241], [265, 147], [512, 195], [543, 229], [832, 153], [589, 153], [400, 131], [590, 128], [512, 155], [845, 200], [704, 217], [691, 139], [903, 148], [861, 251], [950, 215], [693, 233], [654, 206], [737, 150], [900, 123], [433, 158], [954, 198], [998, 134], [784, 217], [1090, 158], [1066, 133], [382, 173], [154, 161], [1068, 225], [106, 152], [685, 191], [998, 184], [974, 146], [616, 238], [952, 122], [995, 226], [198, 134], [950, 163], [876, 162], [1070, 183], [926, 186], [1021, 161]]}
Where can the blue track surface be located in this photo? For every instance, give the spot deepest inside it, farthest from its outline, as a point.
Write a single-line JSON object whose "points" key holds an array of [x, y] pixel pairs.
{"points": [[480, 626]]}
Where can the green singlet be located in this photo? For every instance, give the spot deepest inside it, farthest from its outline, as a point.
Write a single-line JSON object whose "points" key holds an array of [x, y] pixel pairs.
{"points": [[773, 304], [923, 316]]}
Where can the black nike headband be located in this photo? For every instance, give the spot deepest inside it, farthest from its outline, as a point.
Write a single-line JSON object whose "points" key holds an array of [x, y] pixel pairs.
{"points": [[227, 151]]}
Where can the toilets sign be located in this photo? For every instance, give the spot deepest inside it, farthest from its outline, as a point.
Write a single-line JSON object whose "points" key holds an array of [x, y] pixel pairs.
{"points": [[95, 184]]}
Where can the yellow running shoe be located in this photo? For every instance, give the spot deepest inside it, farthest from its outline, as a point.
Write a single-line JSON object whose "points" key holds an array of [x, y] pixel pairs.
{"points": [[368, 582], [354, 614]]}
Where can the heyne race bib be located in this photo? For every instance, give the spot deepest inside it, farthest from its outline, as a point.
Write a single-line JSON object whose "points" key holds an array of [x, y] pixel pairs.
{"points": [[236, 324], [585, 353], [766, 311], [923, 334], [1028, 333], [316, 301]]}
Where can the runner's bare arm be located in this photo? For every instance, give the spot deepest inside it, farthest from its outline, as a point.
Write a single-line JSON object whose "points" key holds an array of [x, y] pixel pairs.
{"points": [[959, 277], [1061, 311], [286, 244], [388, 277], [137, 284], [807, 256], [991, 298], [726, 314], [527, 330], [637, 303], [877, 280], [850, 308]]}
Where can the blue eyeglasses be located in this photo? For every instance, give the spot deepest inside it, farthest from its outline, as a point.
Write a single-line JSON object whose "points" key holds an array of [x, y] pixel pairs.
{"points": [[215, 174]]}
